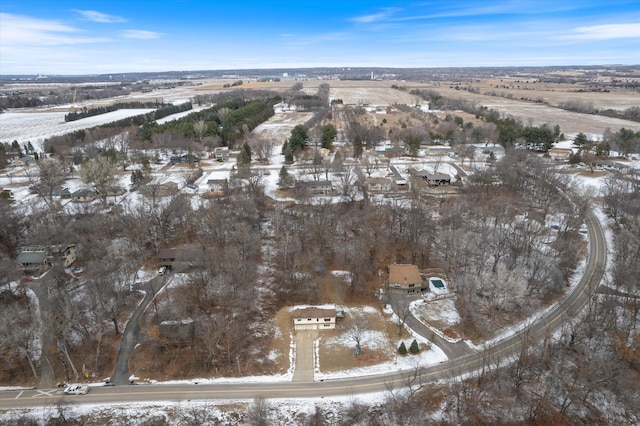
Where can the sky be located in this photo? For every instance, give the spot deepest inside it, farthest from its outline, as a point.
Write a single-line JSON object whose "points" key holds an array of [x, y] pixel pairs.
{"points": [[117, 36]]}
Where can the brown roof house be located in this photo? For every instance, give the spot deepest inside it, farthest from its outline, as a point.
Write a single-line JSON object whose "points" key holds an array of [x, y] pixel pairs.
{"points": [[314, 318], [177, 258], [406, 278]]}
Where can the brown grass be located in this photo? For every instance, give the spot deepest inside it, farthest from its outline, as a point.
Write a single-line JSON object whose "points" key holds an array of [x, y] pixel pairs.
{"points": [[338, 357]]}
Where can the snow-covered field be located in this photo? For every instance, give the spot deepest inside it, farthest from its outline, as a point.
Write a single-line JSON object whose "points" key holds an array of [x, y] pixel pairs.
{"points": [[38, 126]]}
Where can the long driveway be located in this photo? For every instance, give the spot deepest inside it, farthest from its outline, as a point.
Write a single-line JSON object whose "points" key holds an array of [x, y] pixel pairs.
{"points": [[131, 333], [553, 319]]}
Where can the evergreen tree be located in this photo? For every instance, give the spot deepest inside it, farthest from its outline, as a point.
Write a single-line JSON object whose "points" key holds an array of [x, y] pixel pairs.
{"points": [[402, 350], [288, 153], [284, 177], [298, 139], [414, 348], [245, 154], [137, 177], [357, 146], [580, 139], [329, 134]]}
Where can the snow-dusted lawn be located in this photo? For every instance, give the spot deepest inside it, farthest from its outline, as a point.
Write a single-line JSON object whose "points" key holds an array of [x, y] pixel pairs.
{"points": [[373, 340], [442, 311]]}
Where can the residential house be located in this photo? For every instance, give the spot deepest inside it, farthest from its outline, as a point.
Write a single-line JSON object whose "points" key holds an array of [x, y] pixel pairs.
{"points": [[314, 318], [316, 187], [176, 257], [65, 252], [406, 278], [221, 153], [436, 179], [35, 258], [32, 258], [496, 150], [400, 182], [380, 185], [217, 186], [84, 195], [438, 150], [395, 151], [183, 159], [190, 188], [25, 160], [560, 154]]}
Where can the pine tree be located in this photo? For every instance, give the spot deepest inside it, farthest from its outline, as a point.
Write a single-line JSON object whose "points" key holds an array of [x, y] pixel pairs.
{"points": [[245, 154], [357, 146], [402, 350], [284, 176], [414, 348], [288, 153]]}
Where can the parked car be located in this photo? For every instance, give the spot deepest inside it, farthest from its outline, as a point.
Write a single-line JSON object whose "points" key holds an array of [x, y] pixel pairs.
{"points": [[162, 270], [76, 389]]}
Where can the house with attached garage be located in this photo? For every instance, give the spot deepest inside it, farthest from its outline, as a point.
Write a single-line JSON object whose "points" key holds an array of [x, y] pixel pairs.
{"points": [[221, 153], [406, 278], [314, 318], [36, 258], [320, 187]]}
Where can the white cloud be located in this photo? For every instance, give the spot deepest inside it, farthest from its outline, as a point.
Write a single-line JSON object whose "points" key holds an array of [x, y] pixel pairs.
{"points": [[18, 31], [375, 17], [606, 32], [95, 16], [141, 34]]}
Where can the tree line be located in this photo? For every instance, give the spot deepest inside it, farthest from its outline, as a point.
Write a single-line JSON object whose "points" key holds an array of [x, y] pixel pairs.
{"points": [[90, 112]]}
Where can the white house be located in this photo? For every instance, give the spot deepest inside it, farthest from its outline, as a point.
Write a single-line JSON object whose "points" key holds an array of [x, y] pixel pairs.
{"points": [[313, 318]]}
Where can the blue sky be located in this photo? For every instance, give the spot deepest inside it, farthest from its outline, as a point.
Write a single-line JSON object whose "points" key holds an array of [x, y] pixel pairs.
{"points": [[112, 36]]}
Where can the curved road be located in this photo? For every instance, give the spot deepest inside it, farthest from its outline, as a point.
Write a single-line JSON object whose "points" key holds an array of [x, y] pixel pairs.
{"points": [[506, 349]]}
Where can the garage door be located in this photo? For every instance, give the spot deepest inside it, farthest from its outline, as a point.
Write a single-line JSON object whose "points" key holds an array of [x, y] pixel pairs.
{"points": [[306, 327]]}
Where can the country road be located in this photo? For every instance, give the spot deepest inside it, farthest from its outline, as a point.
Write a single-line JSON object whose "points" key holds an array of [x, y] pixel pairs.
{"points": [[505, 349]]}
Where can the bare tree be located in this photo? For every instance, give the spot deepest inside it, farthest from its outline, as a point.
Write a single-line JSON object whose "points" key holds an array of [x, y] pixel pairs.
{"points": [[346, 185], [99, 174], [401, 307], [258, 412]]}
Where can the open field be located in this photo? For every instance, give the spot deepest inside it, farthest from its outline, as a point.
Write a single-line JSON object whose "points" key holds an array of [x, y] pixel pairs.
{"points": [[39, 123], [537, 114]]}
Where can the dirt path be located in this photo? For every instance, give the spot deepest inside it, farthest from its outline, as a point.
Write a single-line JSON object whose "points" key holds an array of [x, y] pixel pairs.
{"points": [[304, 356]]}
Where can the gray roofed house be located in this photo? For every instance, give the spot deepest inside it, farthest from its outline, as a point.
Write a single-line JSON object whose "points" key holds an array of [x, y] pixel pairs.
{"points": [[34, 258], [84, 194], [174, 257], [437, 179], [317, 187]]}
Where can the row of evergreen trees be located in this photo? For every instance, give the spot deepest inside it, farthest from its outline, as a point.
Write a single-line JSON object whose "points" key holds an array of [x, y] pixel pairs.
{"points": [[90, 112], [229, 120], [413, 348]]}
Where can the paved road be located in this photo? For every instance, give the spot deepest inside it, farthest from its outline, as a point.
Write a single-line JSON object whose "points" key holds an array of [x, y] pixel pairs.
{"points": [[568, 307]]}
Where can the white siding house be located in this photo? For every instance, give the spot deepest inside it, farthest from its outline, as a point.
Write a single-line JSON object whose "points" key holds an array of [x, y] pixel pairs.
{"points": [[314, 319]]}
